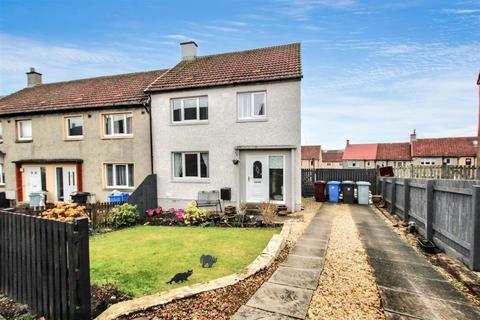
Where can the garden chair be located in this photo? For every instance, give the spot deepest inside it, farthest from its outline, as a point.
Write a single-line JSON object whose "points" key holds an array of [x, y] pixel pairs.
{"points": [[209, 199]]}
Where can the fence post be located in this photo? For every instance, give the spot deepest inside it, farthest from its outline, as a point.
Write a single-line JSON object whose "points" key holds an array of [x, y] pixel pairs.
{"points": [[393, 199], [84, 311], [377, 187], [429, 211], [475, 238], [406, 197]]}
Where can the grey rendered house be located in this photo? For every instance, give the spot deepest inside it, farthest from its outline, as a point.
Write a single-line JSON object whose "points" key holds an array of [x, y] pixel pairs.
{"points": [[229, 120], [90, 134]]}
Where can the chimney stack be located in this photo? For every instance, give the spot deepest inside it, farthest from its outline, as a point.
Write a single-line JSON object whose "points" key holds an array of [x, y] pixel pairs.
{"points": [[348, 142], [413, 136], [189, 50], [33, 78]]}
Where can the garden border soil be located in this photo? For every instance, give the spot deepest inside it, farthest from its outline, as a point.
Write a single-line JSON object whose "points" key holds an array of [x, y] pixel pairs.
{"points": [[265, 259]]}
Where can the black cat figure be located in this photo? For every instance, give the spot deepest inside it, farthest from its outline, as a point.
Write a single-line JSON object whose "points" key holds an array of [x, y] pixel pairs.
{"points": [[180, 277], [207, 260]]}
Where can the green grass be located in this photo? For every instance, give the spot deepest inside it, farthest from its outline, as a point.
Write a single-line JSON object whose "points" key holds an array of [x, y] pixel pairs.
{"points": [[140, 260]]}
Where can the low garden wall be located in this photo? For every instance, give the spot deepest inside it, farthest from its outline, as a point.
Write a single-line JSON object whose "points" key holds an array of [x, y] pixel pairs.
{"points": [[446, 212]]}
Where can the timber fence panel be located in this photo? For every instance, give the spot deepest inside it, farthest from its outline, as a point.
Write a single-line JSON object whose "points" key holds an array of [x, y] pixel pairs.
{"points": [[45, 265]]}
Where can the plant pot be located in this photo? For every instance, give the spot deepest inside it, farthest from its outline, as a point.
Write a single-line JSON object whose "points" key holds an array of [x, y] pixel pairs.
{"points": [[426, 245]]}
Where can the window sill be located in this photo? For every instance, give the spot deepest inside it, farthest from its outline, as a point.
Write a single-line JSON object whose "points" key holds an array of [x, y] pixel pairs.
{"points": [[73, 138], [24, 141], [130, 136], [189, 123], [190, 180], [252, 120], [119, 188]]}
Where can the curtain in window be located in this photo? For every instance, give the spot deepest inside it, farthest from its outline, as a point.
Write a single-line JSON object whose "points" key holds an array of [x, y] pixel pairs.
{"points": [[245, 105], [26, 129], [129, 123], [259, 104], [109, 174], [130, 175], [204, 165], [121, 175], [108, 121], [177, 165]]}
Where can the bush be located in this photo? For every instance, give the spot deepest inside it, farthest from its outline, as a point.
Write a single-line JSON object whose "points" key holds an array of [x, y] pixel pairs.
{"points": [[125, 215], [193, 215]]}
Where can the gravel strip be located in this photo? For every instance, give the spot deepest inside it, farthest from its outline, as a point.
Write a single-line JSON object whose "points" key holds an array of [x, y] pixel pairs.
{"points": [[347, 287]]}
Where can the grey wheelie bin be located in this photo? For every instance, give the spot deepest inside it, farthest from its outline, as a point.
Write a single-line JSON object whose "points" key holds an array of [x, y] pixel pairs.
{"points": [[363, 192]]}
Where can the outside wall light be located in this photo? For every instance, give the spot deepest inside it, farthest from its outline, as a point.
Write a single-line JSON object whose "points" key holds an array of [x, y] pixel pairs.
{"points": [[235, 161]]}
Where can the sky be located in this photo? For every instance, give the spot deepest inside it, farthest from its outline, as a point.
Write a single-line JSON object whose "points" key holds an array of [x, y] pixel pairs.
{"points": [[373, 70]]}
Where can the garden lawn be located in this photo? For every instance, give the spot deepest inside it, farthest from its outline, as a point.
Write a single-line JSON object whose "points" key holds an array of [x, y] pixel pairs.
{"points": [[140, 260]]}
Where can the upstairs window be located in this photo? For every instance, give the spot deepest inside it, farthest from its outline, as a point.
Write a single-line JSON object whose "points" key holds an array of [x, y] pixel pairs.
{"points": [[74, 127], [1, 132], [24, 130], [189, 109], [251, 105], [117, 124], [2, 174], [468, 161]]}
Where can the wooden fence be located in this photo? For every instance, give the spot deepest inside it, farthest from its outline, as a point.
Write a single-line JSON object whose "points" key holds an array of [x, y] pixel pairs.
{"points": [[45, 265], [446, 212], [438, 172], [309, 176]]}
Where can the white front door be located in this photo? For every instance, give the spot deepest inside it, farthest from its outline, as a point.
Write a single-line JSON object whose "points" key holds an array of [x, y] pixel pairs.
{"points": [[69, 182], [257, 178], [33, 181]]}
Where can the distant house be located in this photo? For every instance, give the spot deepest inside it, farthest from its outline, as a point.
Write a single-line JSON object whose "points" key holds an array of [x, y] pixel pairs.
{"points": [[311, 157], [448, 151], [332, 159], [393, 154], [360, 155]]}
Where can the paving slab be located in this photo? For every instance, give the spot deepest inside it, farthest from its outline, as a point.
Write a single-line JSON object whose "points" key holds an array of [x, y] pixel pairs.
{"points": [[296, 277], [285, 300], [399, 253], [420, 306], [249, 313], [308, 251], [396, 316], [313, 242], [295, 261]]}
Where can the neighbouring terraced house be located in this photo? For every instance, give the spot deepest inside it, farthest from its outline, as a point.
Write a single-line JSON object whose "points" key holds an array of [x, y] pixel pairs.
{"points": [[91, 134], [228, 120]]}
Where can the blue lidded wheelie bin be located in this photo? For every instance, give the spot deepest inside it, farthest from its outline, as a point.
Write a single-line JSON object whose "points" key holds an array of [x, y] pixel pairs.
{"points": [[333, 191]]}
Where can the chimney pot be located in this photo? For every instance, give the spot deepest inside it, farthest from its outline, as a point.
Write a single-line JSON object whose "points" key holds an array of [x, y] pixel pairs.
{"points": [[33, 78], [348, 142], [189, 50], [413, 136]]}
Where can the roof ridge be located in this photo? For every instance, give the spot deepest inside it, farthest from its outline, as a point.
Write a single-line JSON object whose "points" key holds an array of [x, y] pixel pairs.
{"points": [[248, 50], [462, 137], [93, 78]]}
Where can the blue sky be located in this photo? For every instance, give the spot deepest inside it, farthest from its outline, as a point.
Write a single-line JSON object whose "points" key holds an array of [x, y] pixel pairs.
{"points": [[373, 70]]}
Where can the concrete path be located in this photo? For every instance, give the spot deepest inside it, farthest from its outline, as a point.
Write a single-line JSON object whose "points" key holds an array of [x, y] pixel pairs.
{"points": [[287, 294], [409, 286]]}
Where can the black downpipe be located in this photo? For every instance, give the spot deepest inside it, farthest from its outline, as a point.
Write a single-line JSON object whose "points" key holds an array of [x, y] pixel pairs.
{"points": [[147, 104]]}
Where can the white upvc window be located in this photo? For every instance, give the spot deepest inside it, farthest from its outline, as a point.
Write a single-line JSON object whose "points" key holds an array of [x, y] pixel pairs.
{"points": [[119, 175], [117, 124], [252, 105], [190, 165], [24, 130], [193, 109], [2, 174], [74, 127]]}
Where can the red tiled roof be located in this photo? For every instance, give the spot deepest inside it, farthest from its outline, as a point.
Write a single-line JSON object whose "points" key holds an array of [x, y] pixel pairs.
{"points": [[444, 147], [311, 152], [123, 89], [394, 151], [264, 64], [332, 155], [366, 151]]}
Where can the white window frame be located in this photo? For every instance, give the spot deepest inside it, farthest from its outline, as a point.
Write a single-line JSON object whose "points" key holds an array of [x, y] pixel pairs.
{"points": [[18, 124], [114, 178], [182, 110], [252, 95], [67, 128], [2, 174], [1, 131], [116, 135], [199, 168]]}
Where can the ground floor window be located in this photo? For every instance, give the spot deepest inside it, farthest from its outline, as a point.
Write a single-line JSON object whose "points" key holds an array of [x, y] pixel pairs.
{"points": [[2, 174], [276, 175], [190, 165], [119, 175]]}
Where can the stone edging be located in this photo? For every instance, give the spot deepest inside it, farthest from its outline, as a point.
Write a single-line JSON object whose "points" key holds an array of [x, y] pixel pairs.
{"points": [[265, 259]]}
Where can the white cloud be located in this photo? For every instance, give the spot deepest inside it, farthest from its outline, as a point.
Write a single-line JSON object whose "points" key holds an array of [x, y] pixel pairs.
{"points": [[461, 11], [177, 36], [302, 9]]}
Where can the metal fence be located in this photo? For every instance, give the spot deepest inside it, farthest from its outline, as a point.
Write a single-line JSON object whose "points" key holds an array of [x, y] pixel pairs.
{"points": [[309, 176], [438, 172], [446, 212]]}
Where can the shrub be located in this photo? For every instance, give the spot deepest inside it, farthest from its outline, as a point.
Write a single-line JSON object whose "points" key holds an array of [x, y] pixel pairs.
{"points": [[194, 215], [124, 215]]}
